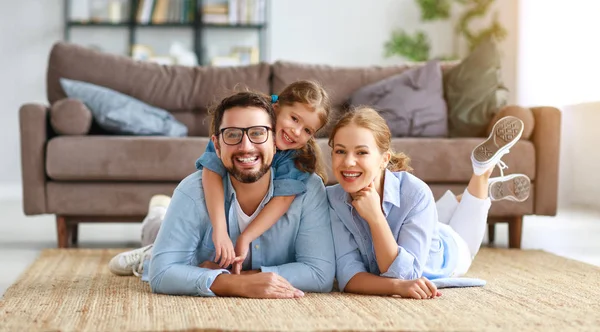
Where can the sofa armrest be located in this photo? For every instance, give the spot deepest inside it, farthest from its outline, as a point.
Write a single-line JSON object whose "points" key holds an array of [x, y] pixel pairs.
{"points": [[546, 138], [34, 135]]}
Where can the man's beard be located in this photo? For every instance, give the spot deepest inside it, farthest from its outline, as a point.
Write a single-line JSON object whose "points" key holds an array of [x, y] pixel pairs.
{"points": [[247, 176]]}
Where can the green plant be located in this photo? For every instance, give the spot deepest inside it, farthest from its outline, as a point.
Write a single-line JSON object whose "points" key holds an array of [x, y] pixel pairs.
{"points": [[416, 48], [434, 9], [475, 9]]}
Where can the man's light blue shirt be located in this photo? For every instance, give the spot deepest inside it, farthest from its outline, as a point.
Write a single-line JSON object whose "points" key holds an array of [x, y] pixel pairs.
{"points": [[424, 249], [299, 247]]}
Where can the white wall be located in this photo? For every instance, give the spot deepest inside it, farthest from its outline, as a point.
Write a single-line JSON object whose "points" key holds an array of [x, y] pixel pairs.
{"points": [[335, 32], [559, 66], [353, 32], [27, 30]]}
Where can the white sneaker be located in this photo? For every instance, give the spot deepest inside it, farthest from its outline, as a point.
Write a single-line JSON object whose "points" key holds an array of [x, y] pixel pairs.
{"points": [[505, 133], [130, 262], [514, 187]]}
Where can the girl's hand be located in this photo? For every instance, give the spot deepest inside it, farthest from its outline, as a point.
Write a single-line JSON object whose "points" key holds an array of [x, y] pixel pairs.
{"points": [[241, 251], [419, 289], [224, 248], [368, 203]]}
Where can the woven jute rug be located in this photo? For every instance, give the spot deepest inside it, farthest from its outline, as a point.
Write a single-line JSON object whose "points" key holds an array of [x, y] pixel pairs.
{"points": [[72, 290]]}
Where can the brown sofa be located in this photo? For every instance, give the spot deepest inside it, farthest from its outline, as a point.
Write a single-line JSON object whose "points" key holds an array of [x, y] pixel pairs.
{"points": [[106, 178]]}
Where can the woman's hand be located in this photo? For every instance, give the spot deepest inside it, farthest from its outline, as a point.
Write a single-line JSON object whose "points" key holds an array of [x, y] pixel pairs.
{"points": [[368, 203], [421, 288]]}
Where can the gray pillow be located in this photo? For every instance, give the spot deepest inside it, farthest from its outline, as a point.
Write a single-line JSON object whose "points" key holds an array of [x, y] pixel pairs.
{"points": [[412, 103], [122, 114]]}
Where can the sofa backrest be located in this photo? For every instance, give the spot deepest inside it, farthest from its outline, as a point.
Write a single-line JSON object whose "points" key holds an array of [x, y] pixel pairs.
{"points": [[186, 92], [339, 82]]}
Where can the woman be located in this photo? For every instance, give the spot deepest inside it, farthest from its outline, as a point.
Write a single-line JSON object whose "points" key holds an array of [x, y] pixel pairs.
{"points": [[388, 237]]}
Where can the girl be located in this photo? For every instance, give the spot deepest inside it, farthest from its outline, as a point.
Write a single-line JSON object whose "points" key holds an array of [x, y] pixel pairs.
{"points": [[387, 236], [302, 109]]}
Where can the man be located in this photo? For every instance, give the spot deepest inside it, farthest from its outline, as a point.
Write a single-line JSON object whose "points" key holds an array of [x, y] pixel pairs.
{"points": [[293, 256]]}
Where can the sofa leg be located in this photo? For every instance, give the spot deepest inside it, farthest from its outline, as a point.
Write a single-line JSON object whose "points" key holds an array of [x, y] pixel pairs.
{"points": [[515, 228], [74, 230], [62, 230], [491, 233]]}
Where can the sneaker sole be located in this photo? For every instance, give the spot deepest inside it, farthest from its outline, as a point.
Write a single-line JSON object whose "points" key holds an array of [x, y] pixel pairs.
{"points": [[515, 189], [506, 131]]}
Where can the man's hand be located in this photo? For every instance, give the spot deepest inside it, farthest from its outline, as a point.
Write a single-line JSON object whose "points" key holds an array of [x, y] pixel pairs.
{"points": [[255, 285], [269, 285]]}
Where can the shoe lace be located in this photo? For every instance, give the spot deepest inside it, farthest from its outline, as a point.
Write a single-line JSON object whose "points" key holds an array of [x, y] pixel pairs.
{"points": [[501, 166], [136, 260]]}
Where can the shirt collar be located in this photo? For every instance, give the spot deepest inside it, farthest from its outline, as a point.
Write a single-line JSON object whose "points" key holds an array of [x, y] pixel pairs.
{"points": [[391, 188]]}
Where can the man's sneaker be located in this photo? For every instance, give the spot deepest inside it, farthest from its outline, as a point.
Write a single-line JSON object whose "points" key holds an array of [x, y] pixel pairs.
{"points": [[505, 133], [130, 262], [514, 187]]}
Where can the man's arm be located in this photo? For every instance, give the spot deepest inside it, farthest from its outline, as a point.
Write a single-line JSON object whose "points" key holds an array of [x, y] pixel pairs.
{"points": [[314, 268], [173, 268]]}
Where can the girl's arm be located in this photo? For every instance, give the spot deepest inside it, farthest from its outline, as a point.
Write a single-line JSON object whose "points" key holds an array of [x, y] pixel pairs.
{"points": [[288, 182], [214, 193], [266, 218]]}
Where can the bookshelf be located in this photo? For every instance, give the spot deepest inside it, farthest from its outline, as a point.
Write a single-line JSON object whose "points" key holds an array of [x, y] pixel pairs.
{"points": [[192, 18]]}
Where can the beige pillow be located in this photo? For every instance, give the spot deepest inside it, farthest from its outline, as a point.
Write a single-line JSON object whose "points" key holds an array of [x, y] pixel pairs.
{"points": [[70, 117], [474, 91], [524, 114]]}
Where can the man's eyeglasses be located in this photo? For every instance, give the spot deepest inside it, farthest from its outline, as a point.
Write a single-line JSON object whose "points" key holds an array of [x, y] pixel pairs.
{"points": [[234, 135]]}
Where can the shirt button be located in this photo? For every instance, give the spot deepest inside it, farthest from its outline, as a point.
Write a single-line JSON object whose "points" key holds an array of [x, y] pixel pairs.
{"points": [[256, 246]]}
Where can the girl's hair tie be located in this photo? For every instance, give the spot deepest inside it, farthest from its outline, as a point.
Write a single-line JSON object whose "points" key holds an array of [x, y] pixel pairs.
{"points": [[274, 99]]}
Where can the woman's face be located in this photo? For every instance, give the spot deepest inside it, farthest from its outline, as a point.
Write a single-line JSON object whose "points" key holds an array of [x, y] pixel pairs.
{"points": [[356, 159], [296, 124]]}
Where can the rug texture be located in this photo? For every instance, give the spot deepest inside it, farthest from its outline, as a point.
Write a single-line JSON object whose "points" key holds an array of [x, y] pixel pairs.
{"points": [[72, 290]]}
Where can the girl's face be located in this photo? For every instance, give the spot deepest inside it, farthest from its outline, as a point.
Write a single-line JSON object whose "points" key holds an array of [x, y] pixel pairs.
{"points": [[356, 160], [296, 124]]}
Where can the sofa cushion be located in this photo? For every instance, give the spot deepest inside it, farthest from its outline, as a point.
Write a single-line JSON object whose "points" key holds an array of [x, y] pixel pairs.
{"points": [[474, 91], [104, 198], [177, 89], [444, 160], [412, 103], [70, 117], [122, 158], [121, 114], [118, 158]]}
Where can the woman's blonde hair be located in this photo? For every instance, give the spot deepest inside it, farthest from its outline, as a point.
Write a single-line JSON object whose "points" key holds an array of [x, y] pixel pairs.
{"points": [[368, 118], [310, 93]]}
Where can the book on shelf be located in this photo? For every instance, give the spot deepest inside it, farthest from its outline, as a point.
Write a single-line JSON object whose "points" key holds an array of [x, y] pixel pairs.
{"points": [[165, 11], [235, 12]]}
